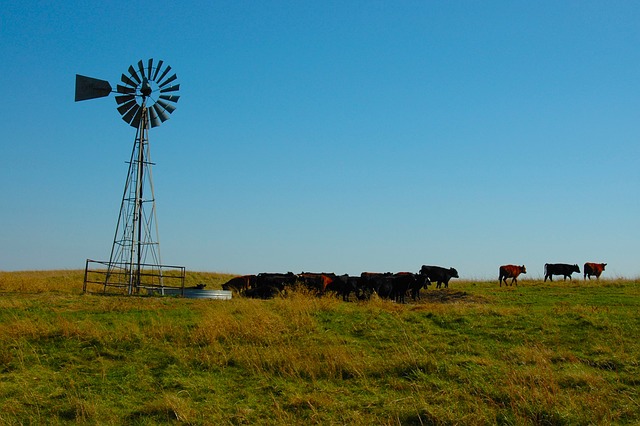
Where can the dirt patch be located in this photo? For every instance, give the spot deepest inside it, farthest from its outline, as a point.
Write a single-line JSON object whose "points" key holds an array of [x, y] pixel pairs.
{"points": [[449, 296]]}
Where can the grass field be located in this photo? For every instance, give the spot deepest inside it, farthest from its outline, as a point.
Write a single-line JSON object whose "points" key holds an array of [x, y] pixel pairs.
{"points": [[541, 354]]}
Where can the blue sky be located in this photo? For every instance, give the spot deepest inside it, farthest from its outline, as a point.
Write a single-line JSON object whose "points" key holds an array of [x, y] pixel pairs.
{"points": [[342, 136]]}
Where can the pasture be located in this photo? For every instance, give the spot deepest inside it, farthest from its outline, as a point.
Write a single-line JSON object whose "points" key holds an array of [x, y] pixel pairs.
{"points": [[561, 353]]}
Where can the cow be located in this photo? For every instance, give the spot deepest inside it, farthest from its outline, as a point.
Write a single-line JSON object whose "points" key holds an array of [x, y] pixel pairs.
{"points": [[279, 281], [391, 286], [591, 268], [421, 281], [318, 282], [240, 284], [401, 282], [343, 286], [551, 269], [376, 282], [439, 274], [268, 285], [360, 287], [511, 271]]}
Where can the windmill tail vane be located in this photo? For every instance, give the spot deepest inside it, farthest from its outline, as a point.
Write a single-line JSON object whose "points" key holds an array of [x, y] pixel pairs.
{"points": [[145, 98]]}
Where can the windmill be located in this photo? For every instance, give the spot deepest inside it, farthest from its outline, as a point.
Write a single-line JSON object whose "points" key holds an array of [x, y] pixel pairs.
{"points": [[146, 98]]}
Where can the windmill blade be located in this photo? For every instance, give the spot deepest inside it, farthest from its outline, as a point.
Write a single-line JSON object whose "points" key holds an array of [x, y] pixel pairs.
{"points": [[120, 99], [167, 107], [91, 88], [127, 106], [170, 98], [124, 89], [155, 121], [134, 75], [126, 80], [167, 81], [135, 121], [141, 68], [163, 74], [170, 89], [131, 113], [161, 114], [149, 69], [155, 74]]}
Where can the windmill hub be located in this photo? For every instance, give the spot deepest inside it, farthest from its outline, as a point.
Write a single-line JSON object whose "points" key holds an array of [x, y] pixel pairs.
{"points": [[146, 88]]}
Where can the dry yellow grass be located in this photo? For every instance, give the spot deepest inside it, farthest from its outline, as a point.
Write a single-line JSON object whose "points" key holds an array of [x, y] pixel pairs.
{"points": [[473, 354]]}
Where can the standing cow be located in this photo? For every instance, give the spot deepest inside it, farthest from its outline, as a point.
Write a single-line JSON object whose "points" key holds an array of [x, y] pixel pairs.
{"points": [[551, 269], [439, 274], [511, 271], [421, 281], [376, 282], [593, 269]]}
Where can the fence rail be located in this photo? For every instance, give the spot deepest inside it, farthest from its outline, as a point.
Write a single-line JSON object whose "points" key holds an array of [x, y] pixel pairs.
{"points": [[114, 277]]}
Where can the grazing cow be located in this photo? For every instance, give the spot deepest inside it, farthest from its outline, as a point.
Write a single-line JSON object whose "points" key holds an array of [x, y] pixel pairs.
{"points": [[593, 269], [279, 281], [551, 269], [511, 271], [268, 285], [240, 284], [439, 274]]}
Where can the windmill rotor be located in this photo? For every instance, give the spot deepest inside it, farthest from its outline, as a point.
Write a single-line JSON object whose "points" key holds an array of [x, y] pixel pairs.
{"points": [[150, 85], [147, 85]]}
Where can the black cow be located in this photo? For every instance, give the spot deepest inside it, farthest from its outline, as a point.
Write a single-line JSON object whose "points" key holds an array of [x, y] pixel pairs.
{"points": [[362, 291], [275, 282], [439, 274], [376, 282], [401, 282], [408, 282], [421, 281], [551, 269], [344, 285]]}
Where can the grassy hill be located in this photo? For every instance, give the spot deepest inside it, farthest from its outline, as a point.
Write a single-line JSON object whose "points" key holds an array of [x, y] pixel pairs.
{"points": [[542, 353]]}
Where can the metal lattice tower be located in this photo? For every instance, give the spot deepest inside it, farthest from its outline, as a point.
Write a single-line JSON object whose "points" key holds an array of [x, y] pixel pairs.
{"points": [[136, 242]]}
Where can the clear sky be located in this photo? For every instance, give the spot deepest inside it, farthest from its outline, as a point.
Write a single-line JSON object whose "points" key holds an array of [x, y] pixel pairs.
{"points": [[341, 136]]}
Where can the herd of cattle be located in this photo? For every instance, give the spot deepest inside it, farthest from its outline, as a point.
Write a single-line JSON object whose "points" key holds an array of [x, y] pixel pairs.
{"points": [[395, 286]]}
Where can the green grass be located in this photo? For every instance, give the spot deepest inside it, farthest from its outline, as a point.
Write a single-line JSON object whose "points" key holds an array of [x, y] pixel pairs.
{"points": [[539, 354]]}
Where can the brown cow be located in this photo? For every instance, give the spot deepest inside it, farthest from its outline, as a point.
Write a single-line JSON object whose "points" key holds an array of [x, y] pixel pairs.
{"points": [[318, 282], [511, 271], [593, 269]]}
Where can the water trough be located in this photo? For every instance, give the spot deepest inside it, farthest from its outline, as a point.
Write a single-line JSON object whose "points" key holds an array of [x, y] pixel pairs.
{"points": [[194, 293]]}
